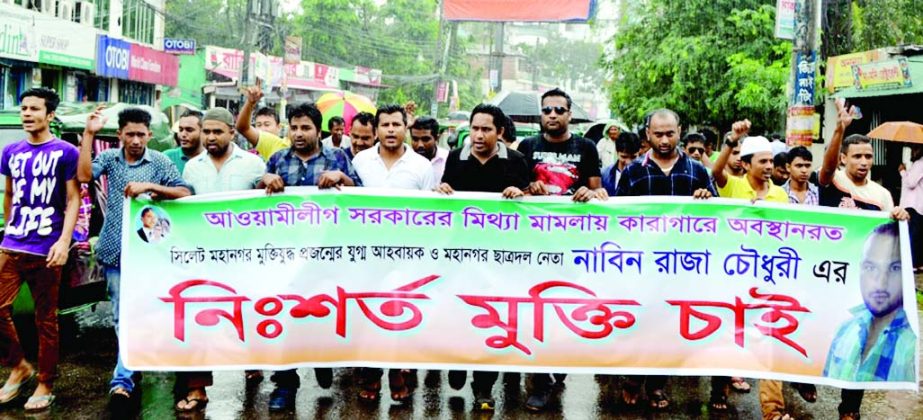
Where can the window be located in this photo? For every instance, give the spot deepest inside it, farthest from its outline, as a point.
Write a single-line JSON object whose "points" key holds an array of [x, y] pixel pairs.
{"points": [[138, 21]]}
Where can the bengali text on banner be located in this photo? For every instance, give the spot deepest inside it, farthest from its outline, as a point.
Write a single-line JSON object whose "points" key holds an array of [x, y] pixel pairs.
{"points": [[653, 285]]}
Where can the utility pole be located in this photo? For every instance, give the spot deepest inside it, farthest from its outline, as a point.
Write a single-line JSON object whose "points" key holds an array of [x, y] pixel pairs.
{"points": [[440, 64], [245, 65], [497, 56], [800, 122]]}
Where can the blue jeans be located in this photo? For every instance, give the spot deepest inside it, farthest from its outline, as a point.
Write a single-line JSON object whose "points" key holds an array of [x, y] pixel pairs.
{"points": [[121, 377]]}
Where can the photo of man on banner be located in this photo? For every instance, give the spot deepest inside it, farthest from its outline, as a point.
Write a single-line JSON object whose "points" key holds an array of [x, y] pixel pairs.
{"points": [[877, 344]]}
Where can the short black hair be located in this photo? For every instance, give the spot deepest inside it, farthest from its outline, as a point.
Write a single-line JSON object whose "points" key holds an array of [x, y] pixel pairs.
{"points": [[853, 139], [390, 109], [627, 142], [780, 160], [663, 112], [775, 136], [134, 115], [497, 114], [427, 123], [145, 211], [267, 112], [799, 151], [335, 120], [887, 229], [693, 138], [711, 137], [49, 95], [747, 159], [363, 118], [560, 93], [306, 109], [509, 130], [193, 113]]}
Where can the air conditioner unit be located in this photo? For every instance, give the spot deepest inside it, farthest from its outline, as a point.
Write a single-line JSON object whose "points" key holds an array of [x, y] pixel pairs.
{"points": [[66, 9], [86, 13]]}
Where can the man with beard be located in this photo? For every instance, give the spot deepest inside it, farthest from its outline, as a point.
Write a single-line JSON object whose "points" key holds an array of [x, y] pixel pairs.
{"points": [[362, 130], [225, 167], [392, 164], [664, 170], [877, 344], [131, 170], [562, 163], [423, 135], [190, 145], [307, 163]]}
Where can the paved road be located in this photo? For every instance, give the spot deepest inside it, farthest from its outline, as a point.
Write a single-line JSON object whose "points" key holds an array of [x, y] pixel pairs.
{"points": [[89, 352]]}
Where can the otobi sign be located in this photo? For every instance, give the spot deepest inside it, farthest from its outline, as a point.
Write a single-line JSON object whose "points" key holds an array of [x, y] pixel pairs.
{"points": [[179, 46]]}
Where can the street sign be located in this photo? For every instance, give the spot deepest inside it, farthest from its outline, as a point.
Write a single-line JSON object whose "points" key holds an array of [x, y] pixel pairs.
{"points": [[785, 19], [179, 46]]}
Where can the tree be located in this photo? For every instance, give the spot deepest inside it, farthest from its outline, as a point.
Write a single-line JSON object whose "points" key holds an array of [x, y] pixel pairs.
{"points": [[886, 23], [577, 63], [711, 61]]}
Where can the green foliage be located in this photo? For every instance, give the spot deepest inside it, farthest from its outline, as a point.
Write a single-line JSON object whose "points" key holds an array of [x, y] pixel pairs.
{"points": [[713, 62], [578, 62], [886, 23]]}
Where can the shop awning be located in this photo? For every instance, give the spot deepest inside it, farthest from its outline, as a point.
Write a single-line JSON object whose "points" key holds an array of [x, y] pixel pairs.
{"points": [[915, 65]]}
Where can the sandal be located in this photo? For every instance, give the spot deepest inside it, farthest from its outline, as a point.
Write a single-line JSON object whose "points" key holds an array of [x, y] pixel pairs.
{"points": [[398, 380], [807, 391], [740, 385], [631, 393], [371, 391], [12, 390], [718, 403], [192, 403], [659, 400], [39, 403]]}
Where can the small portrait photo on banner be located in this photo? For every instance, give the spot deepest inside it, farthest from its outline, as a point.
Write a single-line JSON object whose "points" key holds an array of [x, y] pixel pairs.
{"points": [[152, 224], [877, 343]]}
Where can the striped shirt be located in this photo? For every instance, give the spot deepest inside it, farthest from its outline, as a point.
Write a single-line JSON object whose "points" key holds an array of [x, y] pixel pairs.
{"points": [[891, 357], [644, 177], [811, 198]]}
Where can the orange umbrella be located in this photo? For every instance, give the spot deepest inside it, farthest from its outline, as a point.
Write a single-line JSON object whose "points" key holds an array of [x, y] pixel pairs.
{"points": [[905, 131], [345, 105]]}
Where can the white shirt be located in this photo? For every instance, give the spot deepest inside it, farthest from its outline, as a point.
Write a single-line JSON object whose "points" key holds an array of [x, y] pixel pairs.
{"points": [[606, 150], [410, 172], [345, 142], [241, 171]]}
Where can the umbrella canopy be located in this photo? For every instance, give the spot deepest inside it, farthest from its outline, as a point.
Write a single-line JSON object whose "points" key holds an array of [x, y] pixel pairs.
{"points": [[345, 105], [527, 107], [905, 131]]}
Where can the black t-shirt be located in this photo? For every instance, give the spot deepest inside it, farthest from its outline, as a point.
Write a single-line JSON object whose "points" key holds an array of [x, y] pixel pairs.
{"points": [[563, 167], [464, 172]]}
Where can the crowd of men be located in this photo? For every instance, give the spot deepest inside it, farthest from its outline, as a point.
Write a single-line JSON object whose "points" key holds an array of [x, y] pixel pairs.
{"points": [[386, 150]]}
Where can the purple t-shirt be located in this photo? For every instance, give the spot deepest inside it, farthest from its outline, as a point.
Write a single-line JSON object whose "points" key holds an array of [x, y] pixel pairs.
{"points": [[39, 175]]}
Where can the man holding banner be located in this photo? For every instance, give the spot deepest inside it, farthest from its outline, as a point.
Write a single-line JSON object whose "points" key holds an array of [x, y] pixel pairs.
{"points": [[484, 164], [132, 170], [663, 170], [851, 188], [307, 163]]}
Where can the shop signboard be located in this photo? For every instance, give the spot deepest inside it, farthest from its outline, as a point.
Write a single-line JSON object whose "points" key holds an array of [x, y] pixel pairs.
{"points": [[151, 66], [881, 75], [112, 57], [179, 46], [26, 35], [839, 68]]}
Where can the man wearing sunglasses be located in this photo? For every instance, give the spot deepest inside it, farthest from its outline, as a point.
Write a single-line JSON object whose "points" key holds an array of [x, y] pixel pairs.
{"points": [[562, 163]]}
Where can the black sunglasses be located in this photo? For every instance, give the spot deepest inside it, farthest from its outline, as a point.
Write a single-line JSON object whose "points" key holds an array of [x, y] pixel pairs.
{"points": [[692, 150], [560, 110]]}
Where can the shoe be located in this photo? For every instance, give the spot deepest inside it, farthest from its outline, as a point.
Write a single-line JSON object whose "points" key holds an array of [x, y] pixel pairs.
{"points": [[538, 400], [282, 399], [457, 379], [324, 377]]}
